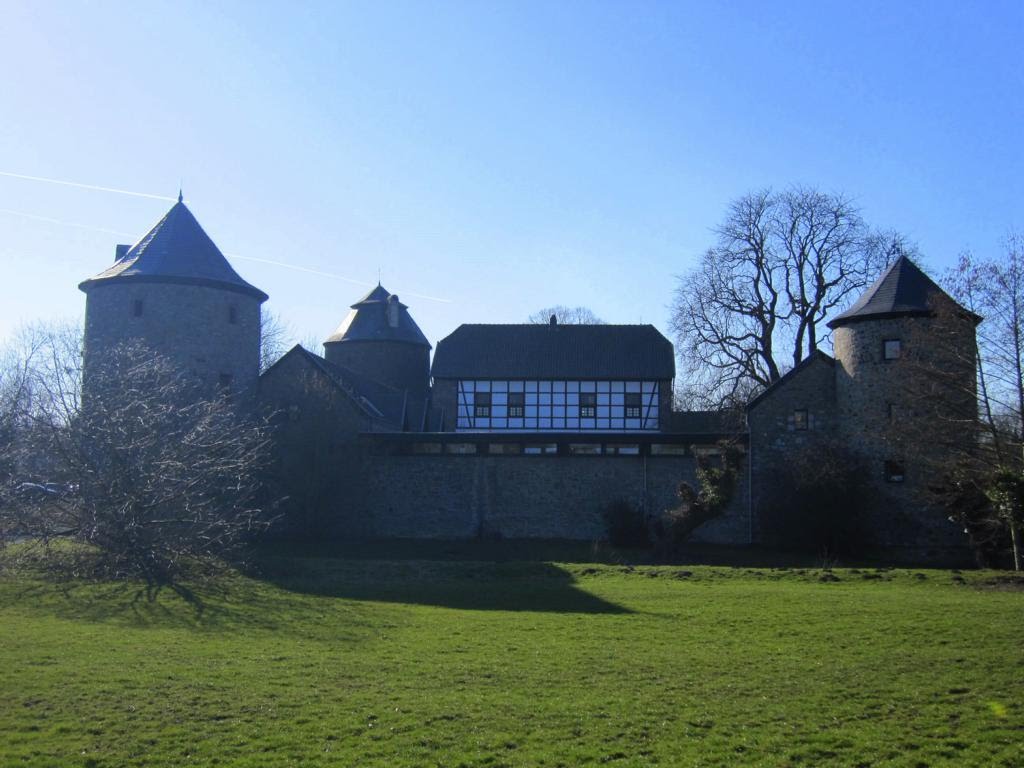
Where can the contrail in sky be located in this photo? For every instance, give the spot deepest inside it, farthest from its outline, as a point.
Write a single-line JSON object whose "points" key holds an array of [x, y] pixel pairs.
{"points": [[285, 265], [330, 274], [47, 219], [86, 186]]}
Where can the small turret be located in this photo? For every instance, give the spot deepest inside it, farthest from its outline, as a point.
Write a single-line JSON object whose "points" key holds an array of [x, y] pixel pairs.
{"points": [[380, 340]]}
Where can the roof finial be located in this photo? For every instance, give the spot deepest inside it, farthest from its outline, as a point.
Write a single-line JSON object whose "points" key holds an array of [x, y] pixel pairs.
{"points": [[378, 276], [179, 194]]}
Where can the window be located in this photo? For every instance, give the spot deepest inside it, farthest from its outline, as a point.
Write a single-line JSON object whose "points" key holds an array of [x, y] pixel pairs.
{"points": [[224, 380], [894, 471], [461, 448], [894, 411], [505, 448], [516, 402], [588, 405], [542, 448], [482, 405], [668, 449], [233, 315], [426, 447], [891, 349], [800, 419], [633, 404], [585, 448], [137, 308], [622, 450]]}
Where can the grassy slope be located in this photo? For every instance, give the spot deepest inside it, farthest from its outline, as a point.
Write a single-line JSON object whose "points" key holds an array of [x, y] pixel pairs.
{"points": [[371, 662]]}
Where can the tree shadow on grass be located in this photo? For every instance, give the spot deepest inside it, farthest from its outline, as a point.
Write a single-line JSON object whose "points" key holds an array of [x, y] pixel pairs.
{"points": [[213, 605], [479, 586]]}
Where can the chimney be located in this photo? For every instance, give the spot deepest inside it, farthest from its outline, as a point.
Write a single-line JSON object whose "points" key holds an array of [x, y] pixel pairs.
{"points": [[392, 310], [553, 320], [120, 251]]}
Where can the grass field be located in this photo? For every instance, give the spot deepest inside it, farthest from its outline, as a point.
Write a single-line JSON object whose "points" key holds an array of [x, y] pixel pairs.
{"points": [[372, 661]]}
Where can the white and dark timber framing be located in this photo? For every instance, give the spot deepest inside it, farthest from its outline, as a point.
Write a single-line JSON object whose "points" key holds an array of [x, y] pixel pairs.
{"points": [[517, 430]]}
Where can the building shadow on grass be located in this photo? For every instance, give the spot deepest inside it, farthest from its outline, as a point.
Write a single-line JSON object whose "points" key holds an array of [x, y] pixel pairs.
{"points": [[466, 585]]}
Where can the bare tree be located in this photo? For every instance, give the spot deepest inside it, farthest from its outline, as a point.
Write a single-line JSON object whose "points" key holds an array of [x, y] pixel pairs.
{"points": [[565, 316], [148, 472], [757, 302], [275, 339], [995, 289]]}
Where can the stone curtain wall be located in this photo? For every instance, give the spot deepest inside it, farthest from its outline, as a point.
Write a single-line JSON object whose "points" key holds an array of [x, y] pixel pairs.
{"points": [[451, 496]]}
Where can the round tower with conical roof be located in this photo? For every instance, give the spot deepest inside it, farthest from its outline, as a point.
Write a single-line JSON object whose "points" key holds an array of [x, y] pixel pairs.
{"points": [[380, 340], [174, 292], [905, 386]]}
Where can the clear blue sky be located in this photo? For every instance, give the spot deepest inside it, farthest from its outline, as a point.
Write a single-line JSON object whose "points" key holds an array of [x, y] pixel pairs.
{"points": [[500, 156]]}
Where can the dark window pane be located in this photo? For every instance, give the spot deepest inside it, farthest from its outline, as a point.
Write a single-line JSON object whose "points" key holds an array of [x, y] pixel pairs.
{"points": [[633, 405]]}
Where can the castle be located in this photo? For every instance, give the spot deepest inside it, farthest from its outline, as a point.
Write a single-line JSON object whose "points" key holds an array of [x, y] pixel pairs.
{"points": [[529, 431]]}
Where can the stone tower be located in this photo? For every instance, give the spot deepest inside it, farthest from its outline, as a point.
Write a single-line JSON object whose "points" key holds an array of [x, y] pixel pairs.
{"points": [[380, 340], [174, 292], [905, 392]]}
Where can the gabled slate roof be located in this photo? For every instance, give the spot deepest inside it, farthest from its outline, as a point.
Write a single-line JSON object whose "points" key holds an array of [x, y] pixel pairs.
{"points": [[176, 250], [367, 320], [554, 352], [902, 290], [400, 409], [816, 357]]}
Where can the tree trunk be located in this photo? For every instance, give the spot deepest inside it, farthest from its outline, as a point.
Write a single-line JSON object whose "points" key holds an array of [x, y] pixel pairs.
{"points": [[1015, 542]]}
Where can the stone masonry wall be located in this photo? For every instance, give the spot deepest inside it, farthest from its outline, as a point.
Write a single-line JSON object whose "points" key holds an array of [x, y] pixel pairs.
{"points": [[923, 427], [455, 496], [774, 437], [397, 364], [187, 323]]}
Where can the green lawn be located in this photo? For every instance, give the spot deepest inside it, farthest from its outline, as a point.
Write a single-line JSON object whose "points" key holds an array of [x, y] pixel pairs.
{"points": [[356, 662]]}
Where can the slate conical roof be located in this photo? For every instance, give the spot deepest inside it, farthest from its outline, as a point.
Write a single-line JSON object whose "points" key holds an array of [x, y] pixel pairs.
{"points": [[176, 250], [368, 320], [903, 290]]}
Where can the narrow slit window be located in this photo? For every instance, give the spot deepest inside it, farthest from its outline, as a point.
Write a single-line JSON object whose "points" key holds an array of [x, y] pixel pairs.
{"points": [[233, 315], [895, 472], [800, 419], [137, 308]]}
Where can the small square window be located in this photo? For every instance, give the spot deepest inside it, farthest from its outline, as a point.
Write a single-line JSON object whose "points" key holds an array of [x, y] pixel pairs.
{"points": [[588, 405], [891, 349], [800, 419], [633, 405], [894, 471], [137, 308], [482, 405], [516, 402]]}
